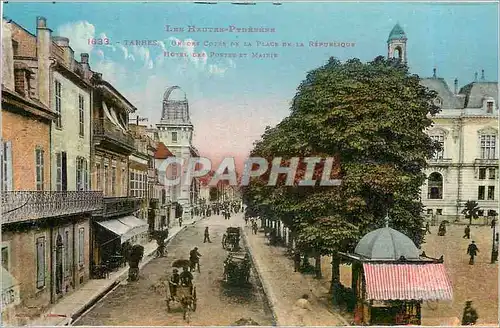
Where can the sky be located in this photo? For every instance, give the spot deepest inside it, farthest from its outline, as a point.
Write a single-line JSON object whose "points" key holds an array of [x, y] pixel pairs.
{"points": [[232, 100]]}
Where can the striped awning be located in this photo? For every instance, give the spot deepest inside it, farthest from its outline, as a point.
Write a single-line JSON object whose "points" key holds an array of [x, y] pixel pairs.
{"points": [[386, 282]]}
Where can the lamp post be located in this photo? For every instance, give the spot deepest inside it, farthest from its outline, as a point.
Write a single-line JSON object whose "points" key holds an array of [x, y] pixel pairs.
{"points": [[494, 242]]}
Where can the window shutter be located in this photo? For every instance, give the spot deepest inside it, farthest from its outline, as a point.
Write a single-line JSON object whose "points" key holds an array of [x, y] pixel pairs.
{"points": [[81, 245], [8, 159], [86, 170], [40, 252]]}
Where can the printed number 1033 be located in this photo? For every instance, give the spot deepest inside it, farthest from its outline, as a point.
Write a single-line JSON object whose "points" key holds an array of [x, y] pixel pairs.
{"points": [[98, 41]]}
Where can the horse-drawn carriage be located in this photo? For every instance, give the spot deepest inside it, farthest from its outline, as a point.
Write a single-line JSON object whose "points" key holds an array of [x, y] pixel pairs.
{"points": [[231, 239], [183, 295], [237, 268]]}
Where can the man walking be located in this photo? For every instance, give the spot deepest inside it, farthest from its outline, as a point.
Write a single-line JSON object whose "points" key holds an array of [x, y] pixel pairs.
{"points": [[296, 261], [207, 236], [467, 232], [194, 258], [428, 228], [470, 316], [472, 250], [180, 221]]}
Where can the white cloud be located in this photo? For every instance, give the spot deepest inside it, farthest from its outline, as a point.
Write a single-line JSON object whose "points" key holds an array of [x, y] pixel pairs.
{"points": [[126, 54], [143, 54], [103, 36], [79, 34]]}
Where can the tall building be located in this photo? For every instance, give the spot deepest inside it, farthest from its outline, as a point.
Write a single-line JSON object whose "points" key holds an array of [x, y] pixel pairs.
{"points": [[46, 200], [466, 168], [175, 131]]}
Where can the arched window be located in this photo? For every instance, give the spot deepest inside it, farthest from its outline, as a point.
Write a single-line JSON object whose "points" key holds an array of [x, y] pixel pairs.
{"points": [[435, 186], [398, 53], [438, 136]]}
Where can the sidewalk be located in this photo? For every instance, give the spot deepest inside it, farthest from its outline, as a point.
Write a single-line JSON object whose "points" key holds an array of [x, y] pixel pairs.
{"points": [[284, 287], [63, 312]]}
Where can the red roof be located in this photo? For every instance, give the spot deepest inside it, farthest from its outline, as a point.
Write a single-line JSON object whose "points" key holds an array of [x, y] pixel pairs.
{"points": [[162, 151], [407, 282]]}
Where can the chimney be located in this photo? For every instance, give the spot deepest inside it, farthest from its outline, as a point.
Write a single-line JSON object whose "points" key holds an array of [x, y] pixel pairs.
{"points": [[475, 77], [7, 56], [68, 52], [482, 75], [434, 72], [43, 42], [456, 86]]}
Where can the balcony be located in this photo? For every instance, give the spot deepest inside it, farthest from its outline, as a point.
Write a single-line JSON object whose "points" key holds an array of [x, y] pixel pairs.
{"points": [[486, 162], [109, 136], [440, 162], [116, 206], [19, 206]]}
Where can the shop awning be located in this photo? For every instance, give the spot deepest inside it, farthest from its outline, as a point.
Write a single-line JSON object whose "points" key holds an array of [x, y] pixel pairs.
{"points": [[10, 290], [386, 282], [125, 227]]}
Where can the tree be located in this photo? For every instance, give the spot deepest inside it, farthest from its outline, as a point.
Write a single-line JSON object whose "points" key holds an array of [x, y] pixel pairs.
{"points": [[372, 117], [471, 210]]}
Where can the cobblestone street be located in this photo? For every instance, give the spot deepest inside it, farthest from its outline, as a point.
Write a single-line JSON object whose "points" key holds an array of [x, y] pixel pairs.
{"points": [[137, 304]]}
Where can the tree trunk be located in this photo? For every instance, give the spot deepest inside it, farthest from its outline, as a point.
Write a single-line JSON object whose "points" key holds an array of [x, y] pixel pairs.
{"points": [[335, 279], [317, 262]]}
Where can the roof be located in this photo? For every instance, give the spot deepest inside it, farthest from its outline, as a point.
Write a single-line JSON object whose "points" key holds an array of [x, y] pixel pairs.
{"points": [[162, 151], [397, 33], [407, 282], [476, 92], [448, 99], [387, 244]]}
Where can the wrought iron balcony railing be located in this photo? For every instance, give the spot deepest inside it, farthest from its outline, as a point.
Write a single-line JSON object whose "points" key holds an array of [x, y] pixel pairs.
{"points": [[18, 206], [114, 206], [103, 129]]}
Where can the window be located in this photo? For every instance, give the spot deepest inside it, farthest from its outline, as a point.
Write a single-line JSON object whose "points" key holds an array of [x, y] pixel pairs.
{"points": [[124, 182], [480, 212], [482, 173], [113, 180], [489, 107], [105, 180], [488, 146], [435, 186], [174, 136], [440, 153], [58, 103], [98, 176], [480, 193], [5, 257], [68, 254], [491, 192], [81, 247], [492, 213], [39, 168], [58, 171], [439, 211], [6, 169], [40, 262], [81, 115], [429, 211], [79, 173], [492, 173]]}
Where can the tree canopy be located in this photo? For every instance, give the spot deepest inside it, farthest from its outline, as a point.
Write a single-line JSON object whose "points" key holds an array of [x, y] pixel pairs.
{"points": [[372, 118]]}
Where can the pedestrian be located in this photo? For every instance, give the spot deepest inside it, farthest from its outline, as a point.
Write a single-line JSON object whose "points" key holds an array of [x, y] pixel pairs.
{"points": [[194, 259], [207, 236], [467, 232], [428, 228], [254, 227], [470, 316], [246, 221], [180, 222], [472, 250], [296, 260]]}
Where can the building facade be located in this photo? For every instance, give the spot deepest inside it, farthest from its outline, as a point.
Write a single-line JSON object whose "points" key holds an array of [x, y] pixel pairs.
{"points": [[45, 228], [466, 168], [113, 143]]}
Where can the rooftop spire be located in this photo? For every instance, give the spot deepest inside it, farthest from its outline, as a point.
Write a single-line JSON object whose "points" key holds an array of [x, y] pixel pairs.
{"points": [[397, 33]]}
